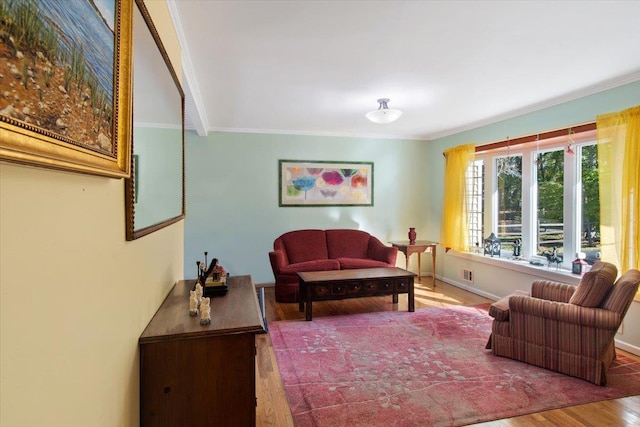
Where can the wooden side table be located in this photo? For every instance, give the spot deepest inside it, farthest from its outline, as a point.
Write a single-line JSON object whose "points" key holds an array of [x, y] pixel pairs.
{"points": [[417, 248]]}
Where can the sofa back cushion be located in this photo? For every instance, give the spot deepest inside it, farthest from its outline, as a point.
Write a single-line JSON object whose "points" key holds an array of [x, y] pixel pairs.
{"points": [[623, 292], [343, 243], [305, 245], [595, 285]]}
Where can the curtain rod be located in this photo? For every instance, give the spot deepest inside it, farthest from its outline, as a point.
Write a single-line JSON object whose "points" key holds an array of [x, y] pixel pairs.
{"points": [[536, 137]]}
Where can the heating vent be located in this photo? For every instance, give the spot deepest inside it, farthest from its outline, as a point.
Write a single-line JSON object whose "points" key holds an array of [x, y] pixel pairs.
{"points": [[466, 275]]}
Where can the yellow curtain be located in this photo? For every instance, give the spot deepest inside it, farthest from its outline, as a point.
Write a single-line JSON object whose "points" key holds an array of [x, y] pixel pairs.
{"points": [[618, 136], [454, 233]]}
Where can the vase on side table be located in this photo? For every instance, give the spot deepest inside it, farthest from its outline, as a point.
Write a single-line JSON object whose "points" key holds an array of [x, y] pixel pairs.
{"points": [[412, 235]]}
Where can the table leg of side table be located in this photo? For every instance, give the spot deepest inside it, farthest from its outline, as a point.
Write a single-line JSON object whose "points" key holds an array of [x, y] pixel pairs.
{"points": [[433, 266]]}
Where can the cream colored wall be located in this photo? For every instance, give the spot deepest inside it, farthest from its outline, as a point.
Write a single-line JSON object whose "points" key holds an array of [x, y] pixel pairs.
{"points": [[75, 296], [163, 22]]}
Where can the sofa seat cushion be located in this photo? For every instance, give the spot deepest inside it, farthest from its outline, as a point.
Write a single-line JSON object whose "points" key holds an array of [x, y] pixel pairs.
{"points": [[354, 263], [595, 285], [499, 310], [317, 265], [305, 245]]}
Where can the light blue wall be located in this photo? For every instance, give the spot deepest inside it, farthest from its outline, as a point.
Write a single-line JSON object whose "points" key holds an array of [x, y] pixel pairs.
{"points": [[232, 195]]}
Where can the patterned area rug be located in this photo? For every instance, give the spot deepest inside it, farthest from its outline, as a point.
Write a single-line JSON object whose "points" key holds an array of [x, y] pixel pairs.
{"points": [[427, 368]]}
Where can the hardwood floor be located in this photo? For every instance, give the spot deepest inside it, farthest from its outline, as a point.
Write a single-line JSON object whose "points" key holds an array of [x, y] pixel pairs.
{"points": [[273, 409]]}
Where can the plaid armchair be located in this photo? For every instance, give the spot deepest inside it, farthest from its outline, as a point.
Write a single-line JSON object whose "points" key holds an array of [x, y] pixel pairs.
{"points": [[565, 328]]}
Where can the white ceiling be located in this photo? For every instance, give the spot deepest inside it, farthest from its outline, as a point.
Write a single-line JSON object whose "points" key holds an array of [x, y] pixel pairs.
{"points": [[316, 67]]}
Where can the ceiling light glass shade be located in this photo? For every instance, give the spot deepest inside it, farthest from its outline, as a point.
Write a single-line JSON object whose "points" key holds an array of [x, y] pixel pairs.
{"points": [[383, 114]]}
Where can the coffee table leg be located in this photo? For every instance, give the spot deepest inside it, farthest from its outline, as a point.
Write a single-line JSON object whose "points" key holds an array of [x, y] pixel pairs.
{"points": [[309, 310], [395, 298], [412, 306], [302, 295]]}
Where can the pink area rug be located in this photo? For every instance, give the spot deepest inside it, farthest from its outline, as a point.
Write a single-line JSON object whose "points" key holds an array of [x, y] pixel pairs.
{"points": [[427, 368]]}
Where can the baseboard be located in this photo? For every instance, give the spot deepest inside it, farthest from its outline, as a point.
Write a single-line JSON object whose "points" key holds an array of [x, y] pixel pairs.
{"points": [[628, 347], [468, 288]]}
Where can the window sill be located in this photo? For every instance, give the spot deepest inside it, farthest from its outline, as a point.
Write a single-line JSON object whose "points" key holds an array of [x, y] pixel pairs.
{"points": [[563, 276]]}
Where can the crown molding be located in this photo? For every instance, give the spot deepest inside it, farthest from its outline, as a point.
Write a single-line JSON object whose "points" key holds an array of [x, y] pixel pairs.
{"points": [[318, 133], [572, 96]]}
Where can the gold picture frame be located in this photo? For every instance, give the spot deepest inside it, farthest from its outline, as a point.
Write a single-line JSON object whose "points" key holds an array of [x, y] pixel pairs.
{"points": [[61, 106]]}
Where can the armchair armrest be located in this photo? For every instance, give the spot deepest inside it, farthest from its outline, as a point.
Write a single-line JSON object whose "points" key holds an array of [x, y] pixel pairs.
{"points": [[278, 262], [552, 291], [564, 312]]}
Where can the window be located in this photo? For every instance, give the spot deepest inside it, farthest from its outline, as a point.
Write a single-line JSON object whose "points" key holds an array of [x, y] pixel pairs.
{"points": [[540, 199], [475, 197], [509, 197]]}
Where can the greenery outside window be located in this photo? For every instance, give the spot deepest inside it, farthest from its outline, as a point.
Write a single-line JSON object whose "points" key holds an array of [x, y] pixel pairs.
{"points": [[542, 197]]}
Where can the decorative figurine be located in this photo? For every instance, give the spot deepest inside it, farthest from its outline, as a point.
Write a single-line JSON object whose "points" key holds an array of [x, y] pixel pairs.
{"points": [[193, 303], [517, 246], [199, 293], [218, 271], [553, 257], [205, 311]]}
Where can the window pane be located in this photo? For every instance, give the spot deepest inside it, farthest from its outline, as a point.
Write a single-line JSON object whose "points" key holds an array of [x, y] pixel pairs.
{"points": [[509, 175], [590, 236], [550, 170], [475, 204]]}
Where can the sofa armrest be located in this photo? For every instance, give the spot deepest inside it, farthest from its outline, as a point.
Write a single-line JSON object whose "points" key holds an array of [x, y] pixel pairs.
{"points": [[379, 252], [278, 262], [552, 291], [564, 312]]}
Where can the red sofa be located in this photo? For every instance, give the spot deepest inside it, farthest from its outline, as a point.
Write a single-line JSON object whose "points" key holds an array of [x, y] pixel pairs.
{"points": [[316, 250]]}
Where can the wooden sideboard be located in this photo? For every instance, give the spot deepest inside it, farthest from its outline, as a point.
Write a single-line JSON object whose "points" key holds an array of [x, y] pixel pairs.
{"points": [[194, 375]]}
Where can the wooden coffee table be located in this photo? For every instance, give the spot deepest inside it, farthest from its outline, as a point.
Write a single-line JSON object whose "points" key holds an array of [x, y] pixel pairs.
{"points": [[342, 284]]}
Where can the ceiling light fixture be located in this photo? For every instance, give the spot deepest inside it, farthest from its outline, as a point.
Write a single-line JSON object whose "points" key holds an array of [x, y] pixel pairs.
{"points": [[383, 114]]}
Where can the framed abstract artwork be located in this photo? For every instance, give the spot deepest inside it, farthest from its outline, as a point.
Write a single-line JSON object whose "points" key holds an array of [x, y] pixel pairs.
{"points": [[65, 94], [325, 183]]}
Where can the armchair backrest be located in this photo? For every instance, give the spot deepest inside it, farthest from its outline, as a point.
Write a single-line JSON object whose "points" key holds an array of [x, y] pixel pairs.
{"points": [[595, 285], [621, 295]]}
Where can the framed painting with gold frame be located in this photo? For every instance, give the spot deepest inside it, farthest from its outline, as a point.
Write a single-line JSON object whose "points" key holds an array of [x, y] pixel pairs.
{"points": [[65, 98]]}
